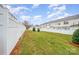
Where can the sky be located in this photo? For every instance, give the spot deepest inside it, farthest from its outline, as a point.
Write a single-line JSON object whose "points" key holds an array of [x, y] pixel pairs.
{"points": [[37, 14]]}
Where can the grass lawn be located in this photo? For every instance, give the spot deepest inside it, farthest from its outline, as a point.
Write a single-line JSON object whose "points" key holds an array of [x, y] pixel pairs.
{"points": [[46, 43]]}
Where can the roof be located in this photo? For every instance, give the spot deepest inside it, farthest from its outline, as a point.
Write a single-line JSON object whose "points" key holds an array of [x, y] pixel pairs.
{"points": [[64, 19]]}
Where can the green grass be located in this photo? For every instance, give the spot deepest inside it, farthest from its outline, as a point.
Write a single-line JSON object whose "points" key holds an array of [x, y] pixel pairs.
{"points": [[47, 43]]}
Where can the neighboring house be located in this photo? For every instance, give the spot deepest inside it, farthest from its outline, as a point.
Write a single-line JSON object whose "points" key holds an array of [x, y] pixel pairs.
{"points": [[10, 30], [65, 25]]}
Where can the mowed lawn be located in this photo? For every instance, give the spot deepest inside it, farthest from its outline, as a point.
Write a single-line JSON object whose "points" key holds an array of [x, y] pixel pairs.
{"points": [[46, 43]]}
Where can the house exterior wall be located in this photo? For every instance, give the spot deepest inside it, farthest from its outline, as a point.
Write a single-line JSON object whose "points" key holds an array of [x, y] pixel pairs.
{"points": [[10, 31], [63, 26]]}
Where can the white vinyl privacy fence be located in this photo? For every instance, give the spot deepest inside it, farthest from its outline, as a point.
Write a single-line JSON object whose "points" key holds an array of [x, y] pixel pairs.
{"points": [[10, 31], [9, 35], [68, 31]]}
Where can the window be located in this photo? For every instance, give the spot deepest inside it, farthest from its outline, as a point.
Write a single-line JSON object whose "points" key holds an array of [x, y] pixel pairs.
{"points": [[58, 23], [65, 22], [1, 6], [78, 23]]}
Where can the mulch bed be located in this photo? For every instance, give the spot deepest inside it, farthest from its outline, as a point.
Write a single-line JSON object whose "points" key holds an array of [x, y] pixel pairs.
{"points": [[74, 44], [16, 50]]}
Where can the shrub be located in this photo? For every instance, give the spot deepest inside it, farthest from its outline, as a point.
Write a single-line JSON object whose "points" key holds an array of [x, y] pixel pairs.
{"points": [[76, 36], [34, 29], [38, 30]]}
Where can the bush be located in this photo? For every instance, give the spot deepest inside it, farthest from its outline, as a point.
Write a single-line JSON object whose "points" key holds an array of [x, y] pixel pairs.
{"points": [[76, 36], [34, 29], [38, 30]]}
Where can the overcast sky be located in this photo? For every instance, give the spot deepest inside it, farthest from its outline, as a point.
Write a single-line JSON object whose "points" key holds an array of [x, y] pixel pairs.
{"points": [[40, 13]]}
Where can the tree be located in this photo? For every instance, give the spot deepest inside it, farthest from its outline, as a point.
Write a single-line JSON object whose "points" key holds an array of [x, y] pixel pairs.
{"points": [[34, 29], [76, 36], [38, 30], [26, 24]]}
